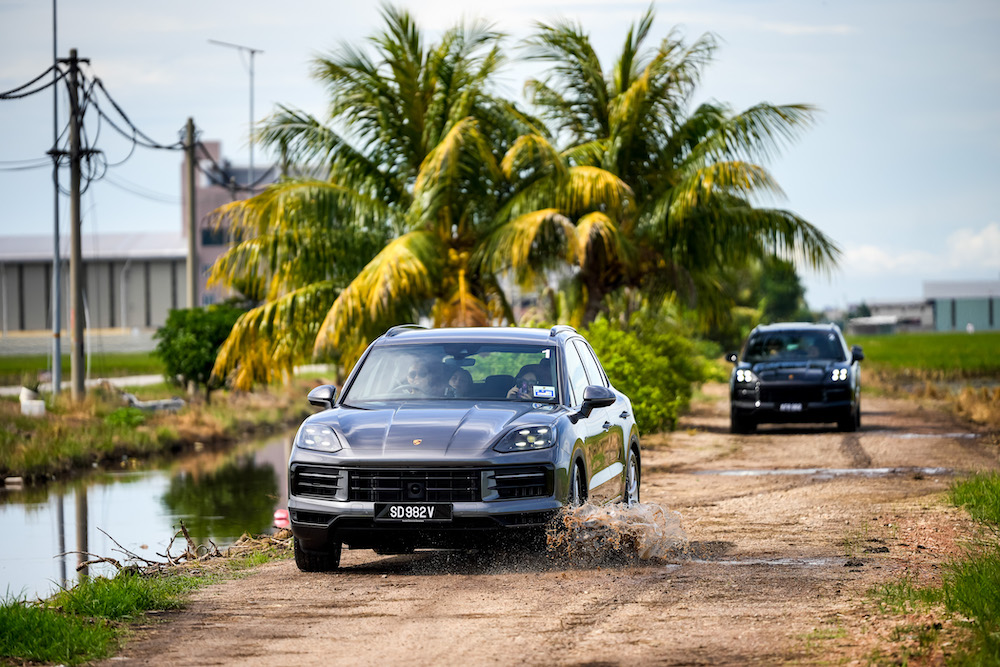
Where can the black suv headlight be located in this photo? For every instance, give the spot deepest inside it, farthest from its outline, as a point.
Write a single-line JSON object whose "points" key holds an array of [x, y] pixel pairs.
{"points": [[839, 375], [745, 376], [318, 437], [526, 439]]}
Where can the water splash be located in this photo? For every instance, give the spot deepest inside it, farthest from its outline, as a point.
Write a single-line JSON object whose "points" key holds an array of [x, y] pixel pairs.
{"points": [[646, 531]]}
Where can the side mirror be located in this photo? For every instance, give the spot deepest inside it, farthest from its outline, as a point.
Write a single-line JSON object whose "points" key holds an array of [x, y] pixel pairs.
{"points": [[856, 353], [596, 396], [733, 357], [322, 396]]}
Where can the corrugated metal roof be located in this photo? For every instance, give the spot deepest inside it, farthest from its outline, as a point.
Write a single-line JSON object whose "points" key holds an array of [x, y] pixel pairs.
{"points": [[158, 245]]}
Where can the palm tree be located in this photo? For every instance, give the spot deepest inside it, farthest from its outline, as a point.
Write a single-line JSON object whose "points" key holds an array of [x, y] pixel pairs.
{"points": [[693, 175], [410, 153]]}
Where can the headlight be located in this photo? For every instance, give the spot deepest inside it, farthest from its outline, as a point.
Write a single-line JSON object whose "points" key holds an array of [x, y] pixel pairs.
{"points": [[527, 438], [318, 437], [839, 374], [745, 376]]}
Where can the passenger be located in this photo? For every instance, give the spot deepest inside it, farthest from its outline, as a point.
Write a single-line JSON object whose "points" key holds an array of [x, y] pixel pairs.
{"points": [[524, 384], [460, 384]]}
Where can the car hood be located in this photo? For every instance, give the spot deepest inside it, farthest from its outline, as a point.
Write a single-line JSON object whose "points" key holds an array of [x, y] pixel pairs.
{"points": [[805, 370], [420, 430]]}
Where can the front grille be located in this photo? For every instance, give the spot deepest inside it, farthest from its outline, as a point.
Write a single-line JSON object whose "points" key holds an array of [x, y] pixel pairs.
{"points": [[791, 394], [512, 483], [431, 485], [316, 482]]}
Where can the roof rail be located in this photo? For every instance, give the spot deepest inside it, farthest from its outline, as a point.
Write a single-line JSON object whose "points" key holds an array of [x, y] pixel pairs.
{"points": [[400, 328], [561, 328]]}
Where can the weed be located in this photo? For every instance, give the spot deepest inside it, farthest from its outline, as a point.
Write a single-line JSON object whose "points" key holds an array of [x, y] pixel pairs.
{"points": [[41, 634]]}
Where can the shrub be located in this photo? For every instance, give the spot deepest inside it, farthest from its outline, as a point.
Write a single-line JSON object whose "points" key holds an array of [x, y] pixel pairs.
{"points": [[189, 342], [652, 363]]}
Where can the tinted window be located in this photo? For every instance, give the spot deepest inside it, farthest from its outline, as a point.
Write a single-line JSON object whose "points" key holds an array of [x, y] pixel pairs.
{"points": [[590, 363], [794, 345], [577, 375]]}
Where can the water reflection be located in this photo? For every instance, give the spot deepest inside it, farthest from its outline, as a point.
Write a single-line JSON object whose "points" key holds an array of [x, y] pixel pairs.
{"points": [[219, 496], [239, 496]]}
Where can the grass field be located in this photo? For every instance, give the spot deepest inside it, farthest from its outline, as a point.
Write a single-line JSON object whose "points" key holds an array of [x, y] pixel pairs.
{"points": [[13, 369], [949, 354]]}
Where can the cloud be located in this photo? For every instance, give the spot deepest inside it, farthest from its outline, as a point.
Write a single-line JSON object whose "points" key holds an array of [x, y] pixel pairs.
{"points": [[965, 251]]}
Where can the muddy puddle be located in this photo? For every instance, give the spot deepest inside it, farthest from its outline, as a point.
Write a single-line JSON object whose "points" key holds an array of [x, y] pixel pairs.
{"points": [[645, 531]]}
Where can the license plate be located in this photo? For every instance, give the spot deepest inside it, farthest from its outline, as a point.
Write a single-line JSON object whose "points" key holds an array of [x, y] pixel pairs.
{"points": [[412, 512], [790, 407]]}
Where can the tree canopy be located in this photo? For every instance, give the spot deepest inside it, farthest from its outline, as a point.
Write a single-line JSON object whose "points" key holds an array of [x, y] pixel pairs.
{"points": [[422, 188]]}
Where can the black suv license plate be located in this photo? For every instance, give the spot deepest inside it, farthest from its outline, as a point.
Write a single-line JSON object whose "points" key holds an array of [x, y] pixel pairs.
{"points": [[412, 512]]}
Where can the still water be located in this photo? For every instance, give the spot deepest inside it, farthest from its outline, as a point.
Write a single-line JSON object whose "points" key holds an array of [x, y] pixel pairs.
{"points": [[219, 496]]}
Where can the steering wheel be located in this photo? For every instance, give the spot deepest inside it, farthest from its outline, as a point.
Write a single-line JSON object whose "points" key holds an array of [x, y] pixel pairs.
{"points": [[409, 389]]}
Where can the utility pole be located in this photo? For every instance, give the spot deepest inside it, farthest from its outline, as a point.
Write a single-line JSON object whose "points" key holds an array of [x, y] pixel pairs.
{"points": [[76, 255], [251, 52], [56, 254], [192, 222]]}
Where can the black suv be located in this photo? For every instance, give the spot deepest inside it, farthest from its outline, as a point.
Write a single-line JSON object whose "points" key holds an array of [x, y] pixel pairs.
{"points": [[795, 372], [442, 437]]}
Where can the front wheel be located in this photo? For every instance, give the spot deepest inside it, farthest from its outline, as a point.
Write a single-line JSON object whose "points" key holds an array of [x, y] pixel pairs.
{"points": [[316, 561], [739, 423], [632, 478], [577, 486]]}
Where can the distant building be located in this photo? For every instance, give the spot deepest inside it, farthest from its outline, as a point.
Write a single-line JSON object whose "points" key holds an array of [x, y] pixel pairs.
{"points": [[894, 317], [129, 280], [961, 306]]}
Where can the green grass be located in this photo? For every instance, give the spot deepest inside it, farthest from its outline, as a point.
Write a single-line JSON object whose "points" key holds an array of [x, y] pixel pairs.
{"points": [[124, 597], [980, 496], [970, 588], [13, 369], [85, 623], [45, 635], [951, 354]]}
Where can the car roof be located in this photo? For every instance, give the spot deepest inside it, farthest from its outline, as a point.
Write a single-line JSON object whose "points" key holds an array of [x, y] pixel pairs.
{"points": [[795, 326], [409, 333]]}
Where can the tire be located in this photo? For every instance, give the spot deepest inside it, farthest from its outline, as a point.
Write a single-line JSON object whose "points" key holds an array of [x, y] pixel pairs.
{"points": [[633, 477], [577, 486], [316, 561], [851, 421], [738, 424]]}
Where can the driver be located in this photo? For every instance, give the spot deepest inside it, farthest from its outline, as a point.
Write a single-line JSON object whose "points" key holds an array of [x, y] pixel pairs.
{"points": [[421, 378]]}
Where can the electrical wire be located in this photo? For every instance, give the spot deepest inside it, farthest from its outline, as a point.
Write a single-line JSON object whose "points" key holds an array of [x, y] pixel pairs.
{"points": [[12, 94]]}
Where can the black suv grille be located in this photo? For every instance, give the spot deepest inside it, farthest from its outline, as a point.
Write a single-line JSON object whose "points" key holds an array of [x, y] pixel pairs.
{"points": [[792, 394], [511, 483], [431, 485]]}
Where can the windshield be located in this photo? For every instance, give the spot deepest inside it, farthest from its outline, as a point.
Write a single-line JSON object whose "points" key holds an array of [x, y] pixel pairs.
{"points": [[457, 371], [793, 346]]}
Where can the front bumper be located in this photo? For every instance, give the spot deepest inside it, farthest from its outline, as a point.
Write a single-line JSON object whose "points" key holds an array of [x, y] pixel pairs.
{"points": [[793, 404], [337, 504]]}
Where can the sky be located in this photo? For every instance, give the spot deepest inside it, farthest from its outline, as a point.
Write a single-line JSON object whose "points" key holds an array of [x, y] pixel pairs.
{"points": [[901, 169]]}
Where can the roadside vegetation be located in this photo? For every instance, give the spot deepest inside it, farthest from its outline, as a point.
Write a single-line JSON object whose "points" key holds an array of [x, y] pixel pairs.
{"points": [[958, 622], [104, 431], [91, 620]]}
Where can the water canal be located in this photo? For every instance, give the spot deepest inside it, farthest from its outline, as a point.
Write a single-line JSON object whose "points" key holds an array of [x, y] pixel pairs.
{"points": [[218, 495]]}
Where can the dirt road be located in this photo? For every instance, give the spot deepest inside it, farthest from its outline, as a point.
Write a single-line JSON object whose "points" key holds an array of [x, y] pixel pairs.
{"points": [[788, 528]]}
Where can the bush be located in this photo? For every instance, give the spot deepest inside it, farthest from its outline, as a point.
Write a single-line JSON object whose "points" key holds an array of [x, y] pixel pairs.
{"points": [[652, 363], [189, 342]]}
